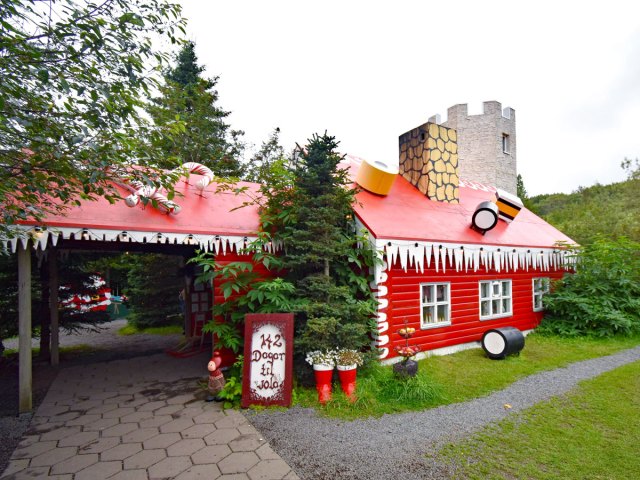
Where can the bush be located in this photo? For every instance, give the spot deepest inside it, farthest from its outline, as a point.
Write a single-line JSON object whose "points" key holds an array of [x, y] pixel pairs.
{"points": [[602, 297]]}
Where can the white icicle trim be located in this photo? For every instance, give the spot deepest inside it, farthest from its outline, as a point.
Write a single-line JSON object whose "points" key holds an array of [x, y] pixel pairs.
{"points": [[472, 257]]}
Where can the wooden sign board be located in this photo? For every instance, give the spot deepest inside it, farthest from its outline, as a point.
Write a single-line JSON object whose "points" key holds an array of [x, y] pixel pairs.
{"points": [[268, 359]]}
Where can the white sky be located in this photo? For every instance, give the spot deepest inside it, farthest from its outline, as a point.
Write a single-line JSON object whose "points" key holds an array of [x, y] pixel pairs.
{"points": [[368, 71]]}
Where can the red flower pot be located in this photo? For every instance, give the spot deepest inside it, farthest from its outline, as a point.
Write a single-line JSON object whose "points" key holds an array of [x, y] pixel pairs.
{"points": [[323, 374], [347, 374]]}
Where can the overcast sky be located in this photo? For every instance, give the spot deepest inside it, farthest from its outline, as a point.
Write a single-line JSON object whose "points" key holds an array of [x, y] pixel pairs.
{"points": [[368, 71]]}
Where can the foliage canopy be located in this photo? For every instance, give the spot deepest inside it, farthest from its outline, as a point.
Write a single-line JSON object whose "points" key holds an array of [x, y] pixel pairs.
{"points": [[74, 75], [602, 297], [204, 136]]}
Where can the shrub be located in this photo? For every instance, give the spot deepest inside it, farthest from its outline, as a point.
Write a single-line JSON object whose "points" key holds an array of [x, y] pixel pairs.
{"points": [[602, 297]]}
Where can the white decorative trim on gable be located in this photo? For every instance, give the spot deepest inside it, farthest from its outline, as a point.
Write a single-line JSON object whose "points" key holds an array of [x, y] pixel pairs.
{"points": [[472, 257]]}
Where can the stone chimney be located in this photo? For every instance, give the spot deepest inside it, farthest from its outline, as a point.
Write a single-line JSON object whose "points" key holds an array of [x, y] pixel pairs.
{"points": [[429, 160]]}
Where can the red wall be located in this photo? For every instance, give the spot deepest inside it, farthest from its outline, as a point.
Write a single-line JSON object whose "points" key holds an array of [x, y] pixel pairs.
{"points": [[228, 357], [466, 326]]}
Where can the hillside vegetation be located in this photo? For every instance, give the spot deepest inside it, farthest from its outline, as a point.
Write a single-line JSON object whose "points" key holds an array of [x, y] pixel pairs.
{"points": [[608, 210]]}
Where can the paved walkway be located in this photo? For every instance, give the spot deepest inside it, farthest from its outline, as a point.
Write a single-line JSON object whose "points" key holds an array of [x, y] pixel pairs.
{"points": [[116, 420]]}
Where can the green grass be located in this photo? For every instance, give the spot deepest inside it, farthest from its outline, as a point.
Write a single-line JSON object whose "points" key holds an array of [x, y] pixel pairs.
{"points": [[458, 377], [591, 433], [165, 330]]}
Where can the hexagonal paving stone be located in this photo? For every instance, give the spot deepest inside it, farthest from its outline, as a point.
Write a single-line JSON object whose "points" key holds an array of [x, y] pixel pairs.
{"points": [[79, 439], [177, 425], [66, 417], [211, 454], [169, 467], [34, 449], [156, 421], [163, 440], [99, 470], [119, 412], [169, 410], [150, 406], [231, 421], [31, 473], [246, 443], [59, 433], [185, 447], [100, 445], [235, 476], [120, 452], [191, 412], [198, 431], [269, 470], [140, 435], [180, 399], [53, 456], [100, 425], [265, 452], [291, 476], [140, 474], [49, 410], [210, 416], [119, 399], [102, 409], [239, 462], [200, 472], [15, 466], [83, 420], [119, 430], [75, 463], [144, 459], [221, 436]]}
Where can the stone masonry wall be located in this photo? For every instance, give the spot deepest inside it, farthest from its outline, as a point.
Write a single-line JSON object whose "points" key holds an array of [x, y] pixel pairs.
{"points": [[429, 160], [480, 144]]}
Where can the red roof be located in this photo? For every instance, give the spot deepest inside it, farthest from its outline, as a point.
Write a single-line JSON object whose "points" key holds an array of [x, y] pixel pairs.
{"points": [[210, 214], [407, 214]]}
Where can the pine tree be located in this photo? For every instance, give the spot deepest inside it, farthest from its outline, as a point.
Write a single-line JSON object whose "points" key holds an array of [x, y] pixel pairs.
{"points": [[203, 136], [323, 259]]}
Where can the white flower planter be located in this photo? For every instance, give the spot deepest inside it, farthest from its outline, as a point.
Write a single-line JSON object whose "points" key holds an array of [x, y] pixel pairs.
{"points": [[321, 367], [345, 368]]}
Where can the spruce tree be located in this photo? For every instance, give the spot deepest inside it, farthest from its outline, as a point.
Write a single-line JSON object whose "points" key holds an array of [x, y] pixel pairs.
{"points": [[323, 259], [201, 133]]}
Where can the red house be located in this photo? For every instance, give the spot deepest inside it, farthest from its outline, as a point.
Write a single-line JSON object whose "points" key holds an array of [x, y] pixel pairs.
{"points": [[449, 267]]}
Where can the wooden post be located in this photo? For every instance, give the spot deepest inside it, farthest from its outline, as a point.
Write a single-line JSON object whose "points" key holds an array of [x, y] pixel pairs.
{"points": [[188, 330], [53, 306], [24, 328]]}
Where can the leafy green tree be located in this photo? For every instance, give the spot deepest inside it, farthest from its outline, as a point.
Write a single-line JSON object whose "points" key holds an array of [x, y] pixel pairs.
{"points": [[205, 138], [74, 75], [602, 297]]}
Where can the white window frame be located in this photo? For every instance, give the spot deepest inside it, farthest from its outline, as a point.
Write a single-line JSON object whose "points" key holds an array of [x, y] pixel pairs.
{"points": [[433, 305], [506, 143], [498, 296], [540, 287]]}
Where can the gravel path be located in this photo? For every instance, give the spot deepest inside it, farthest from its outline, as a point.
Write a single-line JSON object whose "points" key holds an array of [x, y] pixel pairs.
{"points": [[322, 448]]}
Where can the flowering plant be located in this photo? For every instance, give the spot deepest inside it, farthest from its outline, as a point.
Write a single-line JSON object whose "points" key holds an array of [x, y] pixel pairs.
{"points": [[346, 357], [328, 357]]}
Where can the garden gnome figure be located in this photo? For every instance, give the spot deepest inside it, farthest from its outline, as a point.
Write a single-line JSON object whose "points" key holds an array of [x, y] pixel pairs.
{"points": [[216, 378]]}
